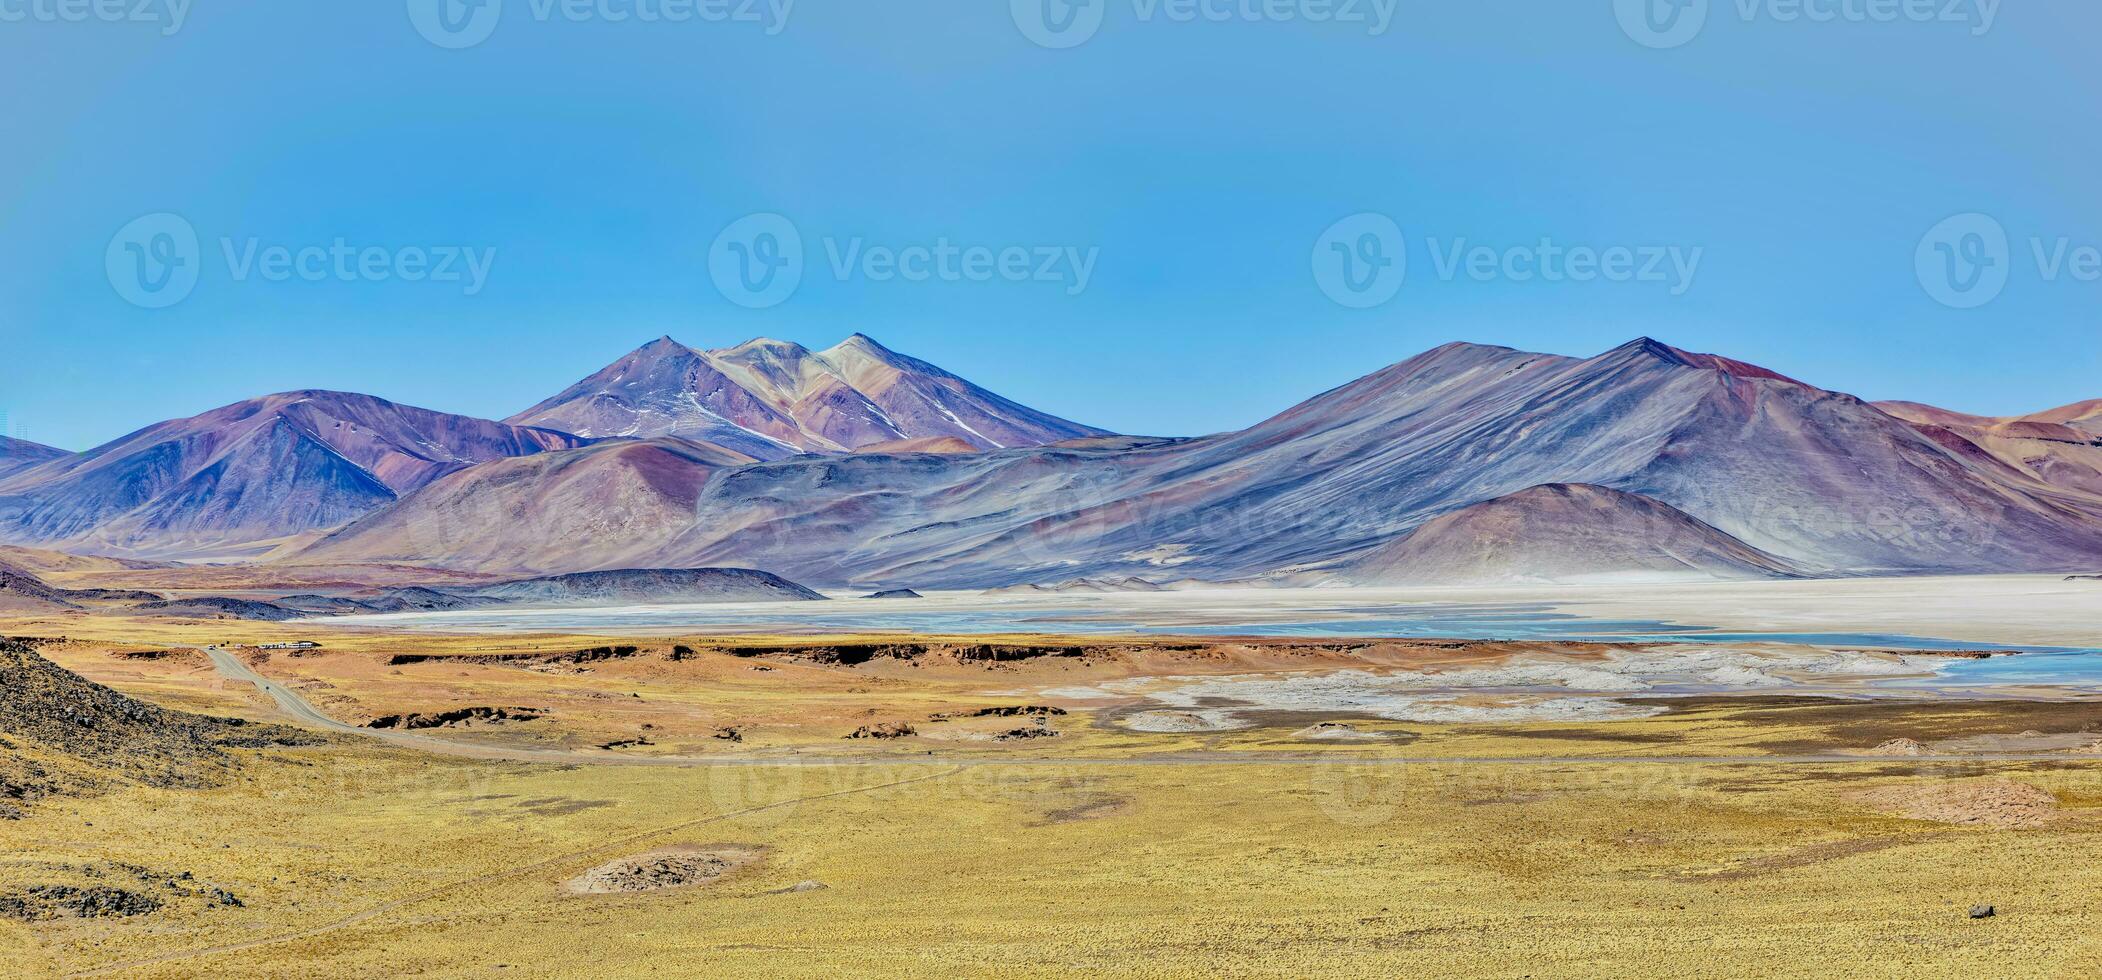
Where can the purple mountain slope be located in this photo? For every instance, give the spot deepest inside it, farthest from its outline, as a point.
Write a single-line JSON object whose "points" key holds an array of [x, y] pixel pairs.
{"points": [[19, 454], [250, 472], [1563, 533]]}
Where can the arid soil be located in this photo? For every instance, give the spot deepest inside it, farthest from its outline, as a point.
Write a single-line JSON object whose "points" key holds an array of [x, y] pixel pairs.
{"points": [[1993, 803], [665, 868]]}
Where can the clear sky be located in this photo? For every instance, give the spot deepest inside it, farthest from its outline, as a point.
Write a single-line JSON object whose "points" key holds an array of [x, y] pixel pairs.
{"points": [[1199, 162]]}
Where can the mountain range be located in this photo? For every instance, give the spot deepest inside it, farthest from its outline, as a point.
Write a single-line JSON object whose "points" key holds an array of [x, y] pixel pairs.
{"points": [[857, 466], [247, 478]]}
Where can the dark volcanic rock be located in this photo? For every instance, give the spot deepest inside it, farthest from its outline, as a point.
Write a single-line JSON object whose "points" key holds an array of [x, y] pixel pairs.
{"points": [[324, 604], [19, 588], [888, 729], [528, 658], [639, 586], [106, 735], [894, 594], [416, 598], [220, 607], [457, 718], [69, 901], [1004, 711], [32, 891], [113, 595]]}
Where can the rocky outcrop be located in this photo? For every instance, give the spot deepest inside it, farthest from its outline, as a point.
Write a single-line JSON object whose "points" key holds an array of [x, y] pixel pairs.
{"points": [[60, 732], [220, 607], [456, 718], [649, 586]]}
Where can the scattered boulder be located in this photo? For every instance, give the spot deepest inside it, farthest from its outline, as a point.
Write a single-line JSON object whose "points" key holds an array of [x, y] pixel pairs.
{"points": [[457, 718], [37, 891], [1021, 733], [72, 902], [1898, 747], [1004, 711], [671, 867], [888, 729], [1983, 911]]}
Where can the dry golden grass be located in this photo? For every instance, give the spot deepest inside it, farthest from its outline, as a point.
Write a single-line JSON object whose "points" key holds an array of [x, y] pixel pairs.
{"points": [[359, 861], [1102, 851]]}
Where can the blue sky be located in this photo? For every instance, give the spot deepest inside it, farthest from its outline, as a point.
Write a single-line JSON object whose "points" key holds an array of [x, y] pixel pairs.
{"points": [[1198, 164]]}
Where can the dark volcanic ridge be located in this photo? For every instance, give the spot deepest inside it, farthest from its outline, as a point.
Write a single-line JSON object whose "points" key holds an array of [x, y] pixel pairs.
{"points": [[645, 586], [23, 592], [640, 586]]}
